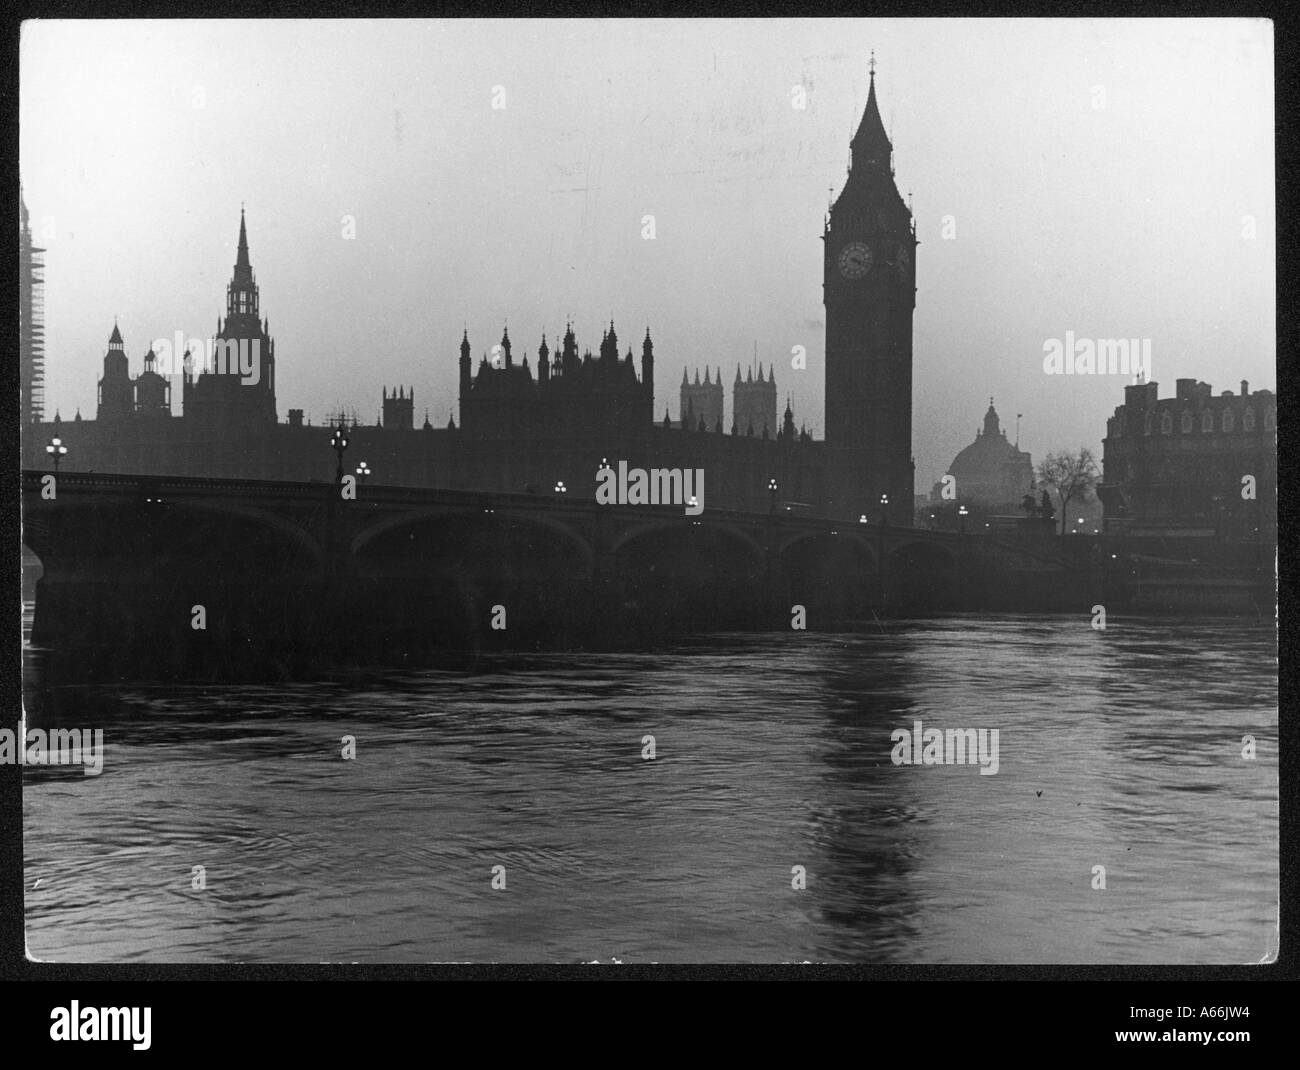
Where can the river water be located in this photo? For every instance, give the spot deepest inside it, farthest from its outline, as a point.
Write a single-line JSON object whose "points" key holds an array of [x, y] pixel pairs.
{"points": [[1121, 749]]}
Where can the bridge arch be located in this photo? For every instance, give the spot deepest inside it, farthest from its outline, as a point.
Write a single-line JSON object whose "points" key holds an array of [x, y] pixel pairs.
{"points": [[472, 517], [733, 532], [468, 577], [833, 575], [688, 571], [803, 540]]}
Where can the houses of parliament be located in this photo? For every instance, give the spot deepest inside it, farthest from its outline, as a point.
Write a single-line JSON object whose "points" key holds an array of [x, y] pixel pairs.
{"points": [[532, 427]]}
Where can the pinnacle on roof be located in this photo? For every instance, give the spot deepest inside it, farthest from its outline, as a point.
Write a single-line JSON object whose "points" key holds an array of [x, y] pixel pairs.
{"points": [[241, 259], [871, 144], [116, 337], [991, 419]]}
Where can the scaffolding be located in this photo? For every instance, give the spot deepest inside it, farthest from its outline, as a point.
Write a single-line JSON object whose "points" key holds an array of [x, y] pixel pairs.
{"points": [[31, 321]]}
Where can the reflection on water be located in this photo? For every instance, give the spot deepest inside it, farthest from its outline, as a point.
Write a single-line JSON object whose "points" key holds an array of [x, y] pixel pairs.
{"points": [[1119, 749]]}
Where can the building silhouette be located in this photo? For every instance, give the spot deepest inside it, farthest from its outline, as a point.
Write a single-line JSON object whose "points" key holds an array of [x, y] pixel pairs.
{"points": [[530, 427], [754, 404], [702, 403], [991, 472], [1193, 464], [869, 293]]}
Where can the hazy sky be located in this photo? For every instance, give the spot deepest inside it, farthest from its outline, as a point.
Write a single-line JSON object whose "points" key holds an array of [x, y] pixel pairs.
{"points": [[1099, 174]]}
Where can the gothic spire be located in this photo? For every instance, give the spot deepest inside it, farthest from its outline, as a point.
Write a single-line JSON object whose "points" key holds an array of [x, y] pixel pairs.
{"points": [[242, 258], [870, 144]]}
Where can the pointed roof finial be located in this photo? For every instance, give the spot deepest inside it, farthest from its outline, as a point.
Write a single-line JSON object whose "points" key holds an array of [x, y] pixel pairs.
{"points": [[872, 65], [241, 259]]}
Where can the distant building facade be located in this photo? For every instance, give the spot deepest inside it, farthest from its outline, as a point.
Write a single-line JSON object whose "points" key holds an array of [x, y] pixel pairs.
{"points": [[753, 403], [701, 403], [990, 472], [1193, 464]]}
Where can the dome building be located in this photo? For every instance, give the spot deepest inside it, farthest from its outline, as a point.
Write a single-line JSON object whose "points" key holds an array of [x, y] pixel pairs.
{"points": [[991, 471]]}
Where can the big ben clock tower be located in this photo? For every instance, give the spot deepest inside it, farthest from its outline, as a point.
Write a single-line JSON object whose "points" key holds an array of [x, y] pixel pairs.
{"points": [[869, 291]]}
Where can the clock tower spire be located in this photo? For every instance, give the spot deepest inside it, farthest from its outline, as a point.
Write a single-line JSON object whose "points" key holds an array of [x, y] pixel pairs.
{"points": [[869, 292]]}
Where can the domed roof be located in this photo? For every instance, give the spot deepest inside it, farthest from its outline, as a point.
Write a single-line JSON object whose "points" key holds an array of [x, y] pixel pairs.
{"points": [[990, 448]]}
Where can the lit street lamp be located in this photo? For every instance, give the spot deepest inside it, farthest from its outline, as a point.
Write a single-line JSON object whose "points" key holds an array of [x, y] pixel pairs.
{"points": [[560, 488], [56, 449], [363, 470], [884, 510], [339, 441], [771, 490], [963, 512]]}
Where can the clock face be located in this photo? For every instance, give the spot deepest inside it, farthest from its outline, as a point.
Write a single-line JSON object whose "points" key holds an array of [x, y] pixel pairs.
{"points": [[855, 260]]}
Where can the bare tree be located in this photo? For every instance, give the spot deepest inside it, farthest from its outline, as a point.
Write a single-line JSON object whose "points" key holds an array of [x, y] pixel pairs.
{"points": [[1074, 475]]}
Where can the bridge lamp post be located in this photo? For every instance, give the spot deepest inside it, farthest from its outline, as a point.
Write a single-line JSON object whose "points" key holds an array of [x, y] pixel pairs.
{"points": [[963, 513], [862, 519], [339, 442], [363, 470], [560, 488], [771, 490], [56, 449], [880, 551]]}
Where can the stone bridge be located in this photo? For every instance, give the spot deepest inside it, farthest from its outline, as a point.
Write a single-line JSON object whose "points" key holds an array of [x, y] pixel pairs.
{"points": [[191, 577]]}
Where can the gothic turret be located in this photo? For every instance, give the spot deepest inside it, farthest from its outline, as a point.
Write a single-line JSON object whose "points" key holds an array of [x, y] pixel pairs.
{"points": [[235, 386], [648, 375], [116, 390], [466, 368]]}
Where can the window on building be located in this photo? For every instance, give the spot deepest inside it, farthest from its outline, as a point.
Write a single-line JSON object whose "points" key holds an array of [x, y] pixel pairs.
{"points": [[1227, 420], [1146, 425], [1207, 421], [1248, 420], [1166, 423], [1270, 420], [1187, 423]]}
